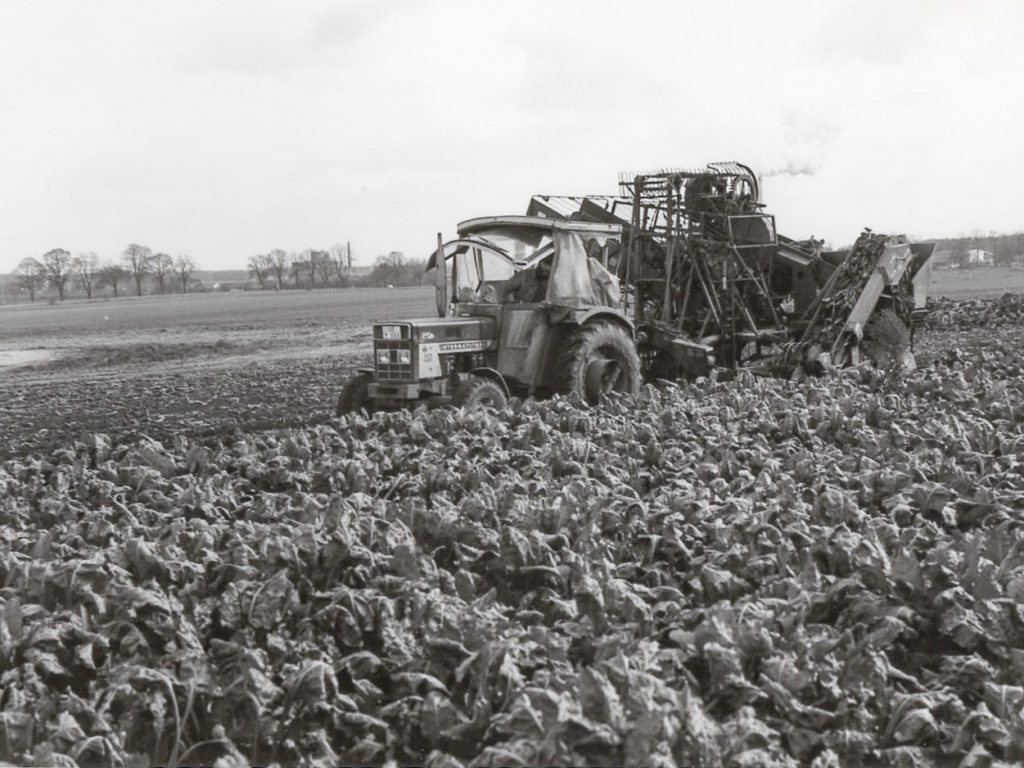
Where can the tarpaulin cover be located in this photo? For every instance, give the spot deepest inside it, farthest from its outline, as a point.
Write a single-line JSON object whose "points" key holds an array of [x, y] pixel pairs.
{"points": [[577, 280]]}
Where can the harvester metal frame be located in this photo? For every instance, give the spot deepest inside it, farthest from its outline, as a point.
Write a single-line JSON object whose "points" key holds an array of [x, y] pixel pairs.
{"points": [[681, 273], [708, 281]]}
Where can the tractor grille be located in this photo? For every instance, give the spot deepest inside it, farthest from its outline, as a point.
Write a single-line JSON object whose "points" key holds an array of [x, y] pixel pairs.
{"points": [[392, 370]]}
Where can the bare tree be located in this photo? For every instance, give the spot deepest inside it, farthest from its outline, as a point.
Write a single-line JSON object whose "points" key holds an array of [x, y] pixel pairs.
{"points": [[162, 266], [259, 268], [113, 275], [30, 276], [342, 257], [85, 267], [138, 260], [183, 268], [395, 269], [279, 264], [1002, 250], [388, 270], [57, 269], [299, 265], [324, 265], [337, 252], [312, 258]]}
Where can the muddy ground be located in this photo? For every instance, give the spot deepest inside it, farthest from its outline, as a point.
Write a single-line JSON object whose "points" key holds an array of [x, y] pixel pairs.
{"points": [[42, 409], [200, 365]]}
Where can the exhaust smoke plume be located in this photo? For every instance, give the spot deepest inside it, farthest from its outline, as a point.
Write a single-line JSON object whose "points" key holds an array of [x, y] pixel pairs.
{"points": [[805, 168]]}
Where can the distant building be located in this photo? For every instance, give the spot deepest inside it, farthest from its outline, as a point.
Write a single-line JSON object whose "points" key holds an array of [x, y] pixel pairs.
{"points": [[942, 259], [979, 258]]}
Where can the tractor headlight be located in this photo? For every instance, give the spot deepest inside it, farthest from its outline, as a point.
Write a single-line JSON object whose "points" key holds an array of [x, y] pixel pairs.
{"points": [[404, 356], [383, 356]]}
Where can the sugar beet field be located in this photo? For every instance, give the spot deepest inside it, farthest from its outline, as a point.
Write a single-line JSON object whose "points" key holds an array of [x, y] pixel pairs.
{"points": [[200, 566]]}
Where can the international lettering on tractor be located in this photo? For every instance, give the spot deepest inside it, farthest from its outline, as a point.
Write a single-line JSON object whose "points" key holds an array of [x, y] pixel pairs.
{"points": [[680, 273]]}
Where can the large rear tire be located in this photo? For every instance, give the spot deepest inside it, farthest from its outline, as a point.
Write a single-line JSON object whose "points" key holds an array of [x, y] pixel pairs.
{"points": [[354, 395], [480, 392], [599, 358], [887, 341]]}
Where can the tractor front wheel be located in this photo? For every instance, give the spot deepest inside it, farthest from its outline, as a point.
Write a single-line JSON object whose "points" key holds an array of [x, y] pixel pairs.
{"points": [[599, 358], [478, 391], [354, 395]]}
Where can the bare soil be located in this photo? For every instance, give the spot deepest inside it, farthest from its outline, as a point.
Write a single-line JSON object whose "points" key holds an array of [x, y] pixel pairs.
{"points": [[203, 365], [41, 409]]}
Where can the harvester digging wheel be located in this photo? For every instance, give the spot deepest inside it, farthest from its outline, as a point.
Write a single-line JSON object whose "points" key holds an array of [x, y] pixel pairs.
{"points": [[887, 341], [599, 358], [354, 395], [480, 392]]}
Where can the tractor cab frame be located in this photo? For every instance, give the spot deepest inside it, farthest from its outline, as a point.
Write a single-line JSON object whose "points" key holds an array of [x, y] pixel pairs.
{"points": [[514, 295]]}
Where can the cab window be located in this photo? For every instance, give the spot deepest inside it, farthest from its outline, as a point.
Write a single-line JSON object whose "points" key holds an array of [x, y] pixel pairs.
{"points": [[520, 243], [475, 270]]}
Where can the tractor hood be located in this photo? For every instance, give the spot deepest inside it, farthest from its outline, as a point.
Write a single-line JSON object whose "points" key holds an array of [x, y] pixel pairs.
{"points": [[451, 334]]}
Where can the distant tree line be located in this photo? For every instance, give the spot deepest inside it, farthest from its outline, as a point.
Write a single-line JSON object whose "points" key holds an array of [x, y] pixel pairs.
{"points": [[330, 268], [138, 267], [1006, 249], [395, 269], [139, 270], [311, 268]]}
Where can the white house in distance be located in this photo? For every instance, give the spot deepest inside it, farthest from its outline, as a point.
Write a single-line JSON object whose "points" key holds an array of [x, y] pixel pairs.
{"points": [[979, 258], [974, 257]]}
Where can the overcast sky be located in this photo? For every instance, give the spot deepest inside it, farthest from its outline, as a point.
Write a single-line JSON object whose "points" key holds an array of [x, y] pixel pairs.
{"points": [[226, 129]]}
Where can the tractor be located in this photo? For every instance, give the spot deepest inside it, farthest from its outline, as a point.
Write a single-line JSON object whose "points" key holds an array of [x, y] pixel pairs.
{"points": [[526, 306], [681, 273]]}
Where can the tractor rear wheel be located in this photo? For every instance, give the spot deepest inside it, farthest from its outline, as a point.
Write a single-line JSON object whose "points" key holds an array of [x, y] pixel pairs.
{"points": [[599, 358], [354, 395], [887, 341], [480, 392]]}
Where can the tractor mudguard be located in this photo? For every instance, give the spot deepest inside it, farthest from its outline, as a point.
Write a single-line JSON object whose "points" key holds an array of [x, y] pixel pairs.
{"points": [[493, 375], [576, 316]]}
